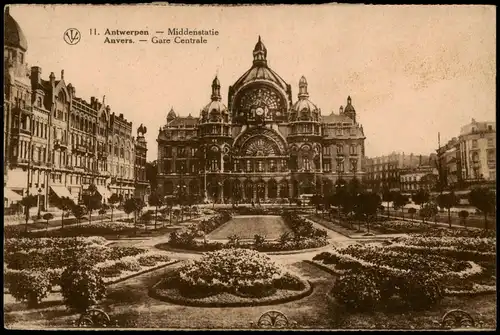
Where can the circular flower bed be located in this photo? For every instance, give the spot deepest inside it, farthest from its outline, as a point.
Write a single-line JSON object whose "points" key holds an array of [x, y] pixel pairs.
{"points": [[231, 277]]}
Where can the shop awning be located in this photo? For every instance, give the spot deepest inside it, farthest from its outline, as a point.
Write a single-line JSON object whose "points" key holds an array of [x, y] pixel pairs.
{"points": [[11, 195], [103, 191], [61, 191]]}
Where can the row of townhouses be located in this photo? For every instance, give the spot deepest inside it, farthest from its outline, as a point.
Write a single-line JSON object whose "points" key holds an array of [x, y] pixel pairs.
{"points": [[56, 143]]}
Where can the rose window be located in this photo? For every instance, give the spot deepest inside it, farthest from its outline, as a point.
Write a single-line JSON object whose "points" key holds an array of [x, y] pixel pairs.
{"points": [[261, 102], [261, 147]]}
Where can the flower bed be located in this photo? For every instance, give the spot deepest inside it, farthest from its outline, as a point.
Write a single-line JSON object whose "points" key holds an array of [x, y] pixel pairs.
{"points": [[431, 266], [247, 275], [59, 253], [112, 271], [88, 229], [480, 245], [41, 262], [304, 236], [245, 210], [400, 227]]}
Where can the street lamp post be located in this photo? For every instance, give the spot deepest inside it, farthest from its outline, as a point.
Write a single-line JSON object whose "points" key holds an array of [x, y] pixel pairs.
{"points": [[39, 195]]}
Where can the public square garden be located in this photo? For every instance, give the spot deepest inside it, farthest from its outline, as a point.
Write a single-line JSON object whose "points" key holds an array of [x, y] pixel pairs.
{"points": [[240, 267]]}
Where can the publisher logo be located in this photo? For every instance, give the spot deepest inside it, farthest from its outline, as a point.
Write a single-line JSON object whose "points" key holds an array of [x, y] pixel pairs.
{"points": [[72, 36]]}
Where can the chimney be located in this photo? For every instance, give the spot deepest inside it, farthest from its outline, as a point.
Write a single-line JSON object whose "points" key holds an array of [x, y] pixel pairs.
{"points": [[36, 75], [52, 78], [62, 74], [121, 115], [92, 102]]}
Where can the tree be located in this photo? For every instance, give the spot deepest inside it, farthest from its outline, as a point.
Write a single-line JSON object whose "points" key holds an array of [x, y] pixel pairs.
{"points": [[146, 218], [354, 186], [154, 199], [129, 206], [47, 217], [387, 196], [28, 202], [151, 173], [447, 200], [134, 205], [427, 211], [400, 201], [81, 285], [64, 204], [169, 201], [92, 200], [484, 200], [102, 211], [316, 201], [412, 212], [112, 201], [463, 215], [421, 197], [78, 212], [366, 205]]}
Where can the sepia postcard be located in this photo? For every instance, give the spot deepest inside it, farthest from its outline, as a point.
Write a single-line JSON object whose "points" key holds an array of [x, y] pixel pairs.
{"points": [[213, 167]]}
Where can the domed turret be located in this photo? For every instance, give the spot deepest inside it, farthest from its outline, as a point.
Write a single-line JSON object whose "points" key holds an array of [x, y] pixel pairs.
{"points": [[13, 34], [215, 111], [171, 115], [349, 109], [260, 53], [304, 109], [260, 72]]}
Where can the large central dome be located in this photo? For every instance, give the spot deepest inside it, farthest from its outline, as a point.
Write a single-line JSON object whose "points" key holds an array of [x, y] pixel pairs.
{"points": [[259, 70]]}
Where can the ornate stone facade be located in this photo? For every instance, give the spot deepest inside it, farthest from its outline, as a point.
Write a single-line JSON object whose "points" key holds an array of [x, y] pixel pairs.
{"points": [[55, 143], [262, 146]]}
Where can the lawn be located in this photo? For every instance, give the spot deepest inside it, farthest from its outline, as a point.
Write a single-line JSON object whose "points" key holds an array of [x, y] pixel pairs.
{"points": [[129, 303], [482, 308], [246, 227]]}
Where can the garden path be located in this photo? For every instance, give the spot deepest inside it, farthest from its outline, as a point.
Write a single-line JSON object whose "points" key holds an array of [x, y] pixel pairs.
{"points": [[131, 298]]}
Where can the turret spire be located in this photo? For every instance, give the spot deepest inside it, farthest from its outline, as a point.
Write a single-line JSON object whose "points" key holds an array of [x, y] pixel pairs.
{"points": [[303, 94], [260, 54], [216, 89]]}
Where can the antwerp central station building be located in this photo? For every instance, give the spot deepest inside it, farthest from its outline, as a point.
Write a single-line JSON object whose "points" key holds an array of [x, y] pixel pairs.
{"points": [[260, 146]]}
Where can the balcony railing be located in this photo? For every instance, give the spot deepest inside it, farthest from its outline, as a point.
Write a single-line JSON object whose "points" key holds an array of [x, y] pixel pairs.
{"points": [[25, 131], [60, 144]]}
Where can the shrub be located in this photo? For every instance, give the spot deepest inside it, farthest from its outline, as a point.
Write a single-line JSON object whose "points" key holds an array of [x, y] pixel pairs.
{"points": [[288, 282], [233, 241], [128, 264], [110, 271], [30, 286], [151, 260], [256, 290], [229, 270], [81, 286], [388, 284], [421, 292], [357, 291], [258, 241]]}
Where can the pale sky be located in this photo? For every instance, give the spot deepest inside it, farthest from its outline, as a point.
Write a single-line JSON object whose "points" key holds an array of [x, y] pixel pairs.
{"points": [[412, 71]]}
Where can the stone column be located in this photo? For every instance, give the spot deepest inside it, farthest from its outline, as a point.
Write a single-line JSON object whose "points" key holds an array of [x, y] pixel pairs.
{"points": [[278, 190], [222, 192], [221, 161], [266, 191], [290, 189], [321, 162]]}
